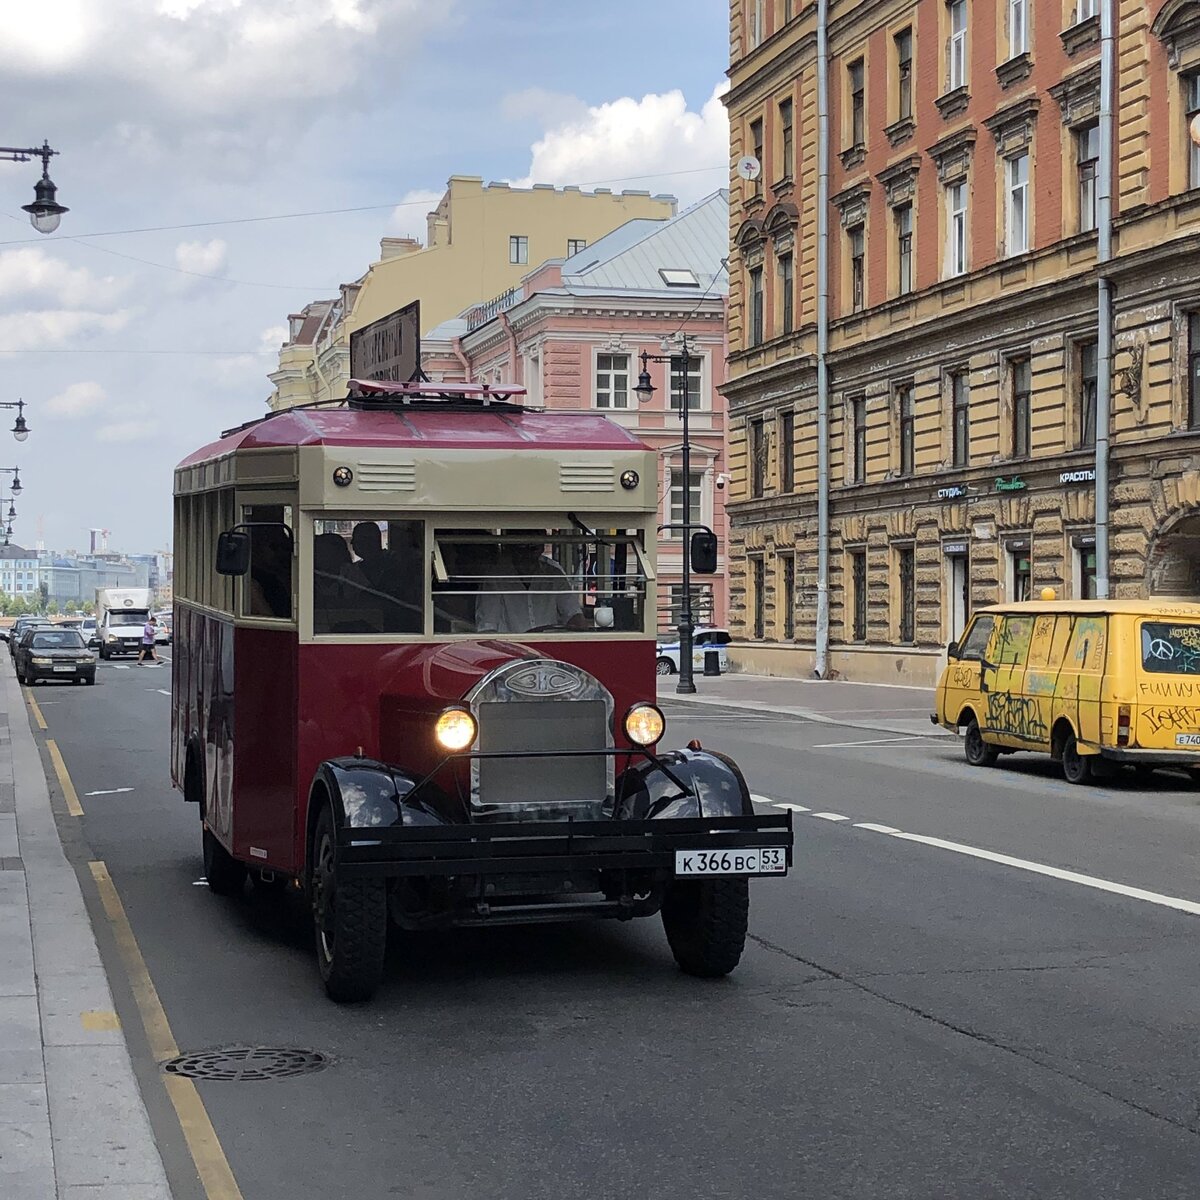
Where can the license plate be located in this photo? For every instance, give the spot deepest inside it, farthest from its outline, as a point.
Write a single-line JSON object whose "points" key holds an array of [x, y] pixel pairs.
{"points": [[70, 670], [767, 860], [1187, 739]]}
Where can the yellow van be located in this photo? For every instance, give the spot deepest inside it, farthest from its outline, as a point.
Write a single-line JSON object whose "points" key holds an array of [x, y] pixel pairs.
{"points": [[1092, 683]]}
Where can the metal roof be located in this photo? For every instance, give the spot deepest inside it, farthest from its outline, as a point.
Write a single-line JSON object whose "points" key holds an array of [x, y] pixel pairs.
{"points": [[696, 240]]}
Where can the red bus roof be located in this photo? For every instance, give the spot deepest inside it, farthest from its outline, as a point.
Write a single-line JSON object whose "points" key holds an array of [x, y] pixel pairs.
{"points": [[450, 429]]}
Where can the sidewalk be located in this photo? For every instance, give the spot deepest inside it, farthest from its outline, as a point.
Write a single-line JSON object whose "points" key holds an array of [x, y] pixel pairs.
{"points": [[883, 707], [72, 1122]]}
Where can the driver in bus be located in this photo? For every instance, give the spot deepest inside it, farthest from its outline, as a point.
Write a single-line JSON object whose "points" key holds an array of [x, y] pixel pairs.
{"points": [[529, 592]]}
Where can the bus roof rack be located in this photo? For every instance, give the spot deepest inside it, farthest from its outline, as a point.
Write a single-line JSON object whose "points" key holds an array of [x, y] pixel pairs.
{"points": [[386, 393]]}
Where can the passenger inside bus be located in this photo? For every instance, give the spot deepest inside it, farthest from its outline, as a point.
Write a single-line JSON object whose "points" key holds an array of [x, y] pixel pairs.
{"points": [[528, 591], [377, 588]]}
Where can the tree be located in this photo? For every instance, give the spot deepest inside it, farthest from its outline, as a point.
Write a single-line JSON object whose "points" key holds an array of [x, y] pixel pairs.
{"points": [[52, 606], [44, 589]]}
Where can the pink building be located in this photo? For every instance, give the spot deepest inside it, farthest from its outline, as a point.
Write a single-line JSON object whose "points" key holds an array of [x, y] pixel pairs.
{"points": [[572, 334]]}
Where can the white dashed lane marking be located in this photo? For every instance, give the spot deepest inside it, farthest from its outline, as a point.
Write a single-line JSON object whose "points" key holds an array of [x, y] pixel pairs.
{"points": [[1077, 878]]}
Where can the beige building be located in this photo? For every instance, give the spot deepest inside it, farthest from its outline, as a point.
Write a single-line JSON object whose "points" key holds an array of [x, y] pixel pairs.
{"points": [[481, 241], [963, 349]]}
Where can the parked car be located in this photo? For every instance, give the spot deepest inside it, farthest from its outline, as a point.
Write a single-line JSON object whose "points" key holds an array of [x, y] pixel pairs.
{"points": [[162, 635], [50, 653], [19, 627], [88, 629], [703, 638]]}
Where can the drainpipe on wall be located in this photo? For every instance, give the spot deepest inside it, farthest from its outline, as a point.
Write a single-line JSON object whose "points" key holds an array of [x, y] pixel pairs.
{"points": [[457, 346], [1104, 314], [514, 361], [822, 654]]}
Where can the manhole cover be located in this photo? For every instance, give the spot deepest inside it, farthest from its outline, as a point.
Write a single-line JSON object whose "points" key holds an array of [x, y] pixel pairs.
{"points": [[237, 1063]]}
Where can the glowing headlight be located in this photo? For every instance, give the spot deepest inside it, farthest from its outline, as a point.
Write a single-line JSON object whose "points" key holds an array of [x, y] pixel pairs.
{"points": [[455, 729], [112, 637], [644, 724], [41, 662]]}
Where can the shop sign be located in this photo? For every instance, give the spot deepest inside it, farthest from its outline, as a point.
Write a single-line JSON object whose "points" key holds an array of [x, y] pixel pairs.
{"points": [[1083, 541], [953, 548], [1013, 484], [389, 348], [952, 493], [1088, 476]]}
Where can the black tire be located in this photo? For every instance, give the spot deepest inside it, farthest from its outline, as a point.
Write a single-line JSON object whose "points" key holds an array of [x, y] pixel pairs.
{"points": [[706, 922], [977, 752], [90, 681], [664, 666], [1076, 767], [350, 921], [224, 873]]}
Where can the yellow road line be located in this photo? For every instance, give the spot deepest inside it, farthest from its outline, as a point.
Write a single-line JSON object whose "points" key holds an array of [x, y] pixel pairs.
{"points": [[37, 712], [64, 779], [205, 1147]]}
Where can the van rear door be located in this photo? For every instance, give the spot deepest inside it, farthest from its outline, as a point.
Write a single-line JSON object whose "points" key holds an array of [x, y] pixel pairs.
{"points": [[1168, 685]]}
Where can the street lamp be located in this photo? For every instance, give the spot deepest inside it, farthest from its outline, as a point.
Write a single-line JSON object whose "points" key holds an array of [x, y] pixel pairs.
{"points": [[45, 212], [20, 429], [644, 391], [15, 472]]}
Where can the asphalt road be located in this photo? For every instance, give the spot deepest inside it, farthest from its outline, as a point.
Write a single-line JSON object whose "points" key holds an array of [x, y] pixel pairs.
{"points": [[909, 1020]]}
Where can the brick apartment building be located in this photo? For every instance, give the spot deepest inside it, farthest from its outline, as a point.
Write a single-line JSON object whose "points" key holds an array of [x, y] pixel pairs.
{"points": [[962, 340]]}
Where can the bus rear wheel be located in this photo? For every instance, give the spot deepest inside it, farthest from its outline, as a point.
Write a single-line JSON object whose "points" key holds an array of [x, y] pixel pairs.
{"points": [[1076, 767], [350, 920]]}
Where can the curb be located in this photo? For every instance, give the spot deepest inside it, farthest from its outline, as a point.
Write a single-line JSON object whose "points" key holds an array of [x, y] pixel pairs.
{"points": [[90, 1132]]}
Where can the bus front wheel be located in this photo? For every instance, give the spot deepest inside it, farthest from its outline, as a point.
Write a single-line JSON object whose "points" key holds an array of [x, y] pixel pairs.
{"points": [[350, 919]]}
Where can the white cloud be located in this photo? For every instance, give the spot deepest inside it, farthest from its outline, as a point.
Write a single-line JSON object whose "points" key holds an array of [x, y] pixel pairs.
{"points": [[654, 142], [202, 258], [273, 337], [51, 328], [33, 274], [408, 217], [77, 400]]}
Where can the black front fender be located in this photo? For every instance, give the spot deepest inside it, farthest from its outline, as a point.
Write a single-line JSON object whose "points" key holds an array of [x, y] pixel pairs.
{"points": [[367, 794], [713, 786]]}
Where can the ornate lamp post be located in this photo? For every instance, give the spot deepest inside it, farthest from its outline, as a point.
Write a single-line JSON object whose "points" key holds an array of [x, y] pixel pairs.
{"points": [[20, 429], [644, 391], [45, 212]]}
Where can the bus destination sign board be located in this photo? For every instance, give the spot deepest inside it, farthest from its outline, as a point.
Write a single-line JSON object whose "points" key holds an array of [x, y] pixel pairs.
{"points": [[389, 348]]}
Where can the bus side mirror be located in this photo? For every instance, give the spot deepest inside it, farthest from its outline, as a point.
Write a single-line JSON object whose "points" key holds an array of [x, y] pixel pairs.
{"points": [[704, 552], [233, 552]]}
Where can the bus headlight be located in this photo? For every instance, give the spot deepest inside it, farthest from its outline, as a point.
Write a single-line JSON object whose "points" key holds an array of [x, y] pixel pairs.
{"points": [[455, 729], [644, 724]]}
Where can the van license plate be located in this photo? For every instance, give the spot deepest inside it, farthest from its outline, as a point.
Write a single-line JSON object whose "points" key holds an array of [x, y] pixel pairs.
{"points": [[1188, 739], [767, 860]]}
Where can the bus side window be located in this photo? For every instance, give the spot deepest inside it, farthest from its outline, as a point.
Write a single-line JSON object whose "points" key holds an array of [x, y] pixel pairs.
{"points": [[269, 584]]}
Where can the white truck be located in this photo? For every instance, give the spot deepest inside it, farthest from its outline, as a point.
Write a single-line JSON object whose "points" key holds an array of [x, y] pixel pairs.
{"points": [[121, 614]]}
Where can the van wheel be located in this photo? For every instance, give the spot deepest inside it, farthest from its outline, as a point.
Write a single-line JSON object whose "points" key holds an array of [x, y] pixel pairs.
{"points": [[978, 752], [664, 666], [1076, 767], [350, 921]]}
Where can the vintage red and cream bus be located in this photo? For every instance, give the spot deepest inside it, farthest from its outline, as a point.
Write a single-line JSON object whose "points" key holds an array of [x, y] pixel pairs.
{"points": [[414, 674]]}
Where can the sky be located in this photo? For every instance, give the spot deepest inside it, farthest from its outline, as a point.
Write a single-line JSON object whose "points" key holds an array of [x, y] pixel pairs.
{"points": [[149, 321]]}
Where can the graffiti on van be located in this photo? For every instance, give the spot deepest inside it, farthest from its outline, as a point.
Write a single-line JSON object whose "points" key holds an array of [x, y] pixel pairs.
{"points": [[1088, 640], [1171, 717], [1013, 640], [1170, 649], [1169, 689], [1019, 716]]}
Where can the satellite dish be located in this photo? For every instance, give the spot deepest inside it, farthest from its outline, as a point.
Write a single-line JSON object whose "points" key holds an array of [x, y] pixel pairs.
{"points": [[749, 167]]}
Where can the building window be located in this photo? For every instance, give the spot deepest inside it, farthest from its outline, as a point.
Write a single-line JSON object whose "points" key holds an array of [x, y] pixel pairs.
{"points": [[677, 515], [906, 567], [1020, 407], [786, 287], [1017, 173], [789, 596], [695, 365], [1087, 156], [1085, 573], [904, 259], [1193, 393], [1088, 377], [1085, 9], [1020, 575], [756, 140], [904, 75], [702, 604], [906, 410], [956, 229], [957, 66], [612, 380], [756, 306], [858, 582], [1192, 85], [575, 245], [858, 414], [960, 432], [855, 78], [785, 133], [857, 241], [758, 566], [758, 458], [1018, 27], [787, 451], [518, 249], [757, 20]]}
